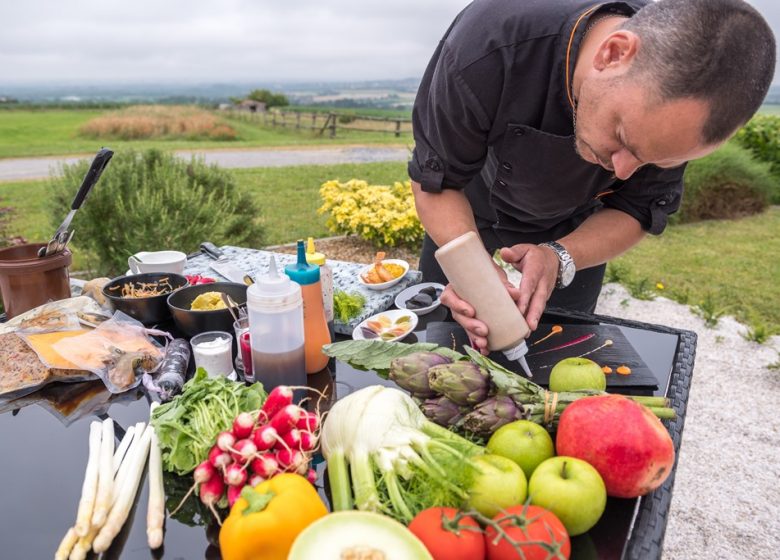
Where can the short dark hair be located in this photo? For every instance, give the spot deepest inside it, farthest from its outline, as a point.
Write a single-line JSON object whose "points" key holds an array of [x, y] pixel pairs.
{"points": [[721, 51]]}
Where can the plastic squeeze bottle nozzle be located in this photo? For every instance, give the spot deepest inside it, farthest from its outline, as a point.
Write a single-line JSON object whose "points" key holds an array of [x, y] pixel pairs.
{"points": [[275, 309], [471, 271], [315, 326], [326, 279]]}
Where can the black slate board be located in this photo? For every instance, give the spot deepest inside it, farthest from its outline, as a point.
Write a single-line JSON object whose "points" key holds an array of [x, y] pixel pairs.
{"points": [[541, 360]]}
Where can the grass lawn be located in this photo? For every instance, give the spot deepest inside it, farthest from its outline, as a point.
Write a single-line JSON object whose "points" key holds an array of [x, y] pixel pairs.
{"points": [[28, 133]]}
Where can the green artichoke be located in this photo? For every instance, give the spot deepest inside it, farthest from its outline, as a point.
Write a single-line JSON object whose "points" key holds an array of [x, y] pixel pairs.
{"points": [[411, 372], [441, 411], [490, 415], [464, 383]]}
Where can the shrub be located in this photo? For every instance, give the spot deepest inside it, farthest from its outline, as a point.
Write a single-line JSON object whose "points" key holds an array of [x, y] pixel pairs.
{"points": [[383, 215], [762, 137], [726, 184], [147, 201]]}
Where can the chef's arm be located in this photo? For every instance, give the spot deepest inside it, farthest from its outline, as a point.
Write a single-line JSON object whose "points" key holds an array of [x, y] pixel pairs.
{"points": [[445, 215], [603, 236]]}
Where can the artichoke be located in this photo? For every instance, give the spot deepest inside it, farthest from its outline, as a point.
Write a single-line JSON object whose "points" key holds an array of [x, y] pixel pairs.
{"points": [[441, 411], [464, 383], [490, 415], [410, 372]]}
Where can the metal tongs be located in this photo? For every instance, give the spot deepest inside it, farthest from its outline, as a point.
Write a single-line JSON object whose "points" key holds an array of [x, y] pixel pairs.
{"points": [[62, 236]]}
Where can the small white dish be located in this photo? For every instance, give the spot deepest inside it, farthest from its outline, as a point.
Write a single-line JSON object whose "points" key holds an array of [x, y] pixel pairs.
{"points": [[392, 317], [411, 291], [389, 283]]}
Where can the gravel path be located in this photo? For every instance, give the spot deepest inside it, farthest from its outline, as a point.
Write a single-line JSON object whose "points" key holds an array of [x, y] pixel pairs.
{"points": [[22, 169], [726, 501]]}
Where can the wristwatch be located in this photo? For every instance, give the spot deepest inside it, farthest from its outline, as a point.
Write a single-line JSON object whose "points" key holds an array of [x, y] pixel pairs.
{"points": [[566, 268]]}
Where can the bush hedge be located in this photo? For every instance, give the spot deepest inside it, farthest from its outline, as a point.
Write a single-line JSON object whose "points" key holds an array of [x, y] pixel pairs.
{"points": [[727, 184], [149, 201], [762, 137]]}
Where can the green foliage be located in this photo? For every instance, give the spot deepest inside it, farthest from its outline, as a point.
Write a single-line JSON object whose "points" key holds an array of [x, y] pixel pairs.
{"points": [[5, 215], [708, 310], [269, 98], [727, 184], [616, 272], [147, 201], [641, 289], [762, 137]]}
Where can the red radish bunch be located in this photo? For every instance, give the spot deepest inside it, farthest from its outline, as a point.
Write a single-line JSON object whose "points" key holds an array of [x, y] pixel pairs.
{"points": [[280, 437]]}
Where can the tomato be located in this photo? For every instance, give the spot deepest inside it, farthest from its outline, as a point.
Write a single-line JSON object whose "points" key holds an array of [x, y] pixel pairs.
{"points": [[441, 536], [526, 524]]}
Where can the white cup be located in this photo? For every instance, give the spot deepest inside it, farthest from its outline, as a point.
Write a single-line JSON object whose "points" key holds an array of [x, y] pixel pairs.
{"points": [[157, 261]]}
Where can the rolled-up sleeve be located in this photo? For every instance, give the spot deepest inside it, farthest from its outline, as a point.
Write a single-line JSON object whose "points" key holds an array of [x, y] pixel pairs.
{"points": [[450, 128], [651, 195]]}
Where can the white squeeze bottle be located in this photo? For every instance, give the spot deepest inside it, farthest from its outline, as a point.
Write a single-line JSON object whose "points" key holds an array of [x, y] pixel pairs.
{"points": [[275, 308], [471, 271]]}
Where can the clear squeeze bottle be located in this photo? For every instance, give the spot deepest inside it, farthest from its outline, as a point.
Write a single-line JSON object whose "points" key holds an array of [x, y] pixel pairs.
{"points": [[326, 279], [315, 327], [471, 271], [275, 308]]}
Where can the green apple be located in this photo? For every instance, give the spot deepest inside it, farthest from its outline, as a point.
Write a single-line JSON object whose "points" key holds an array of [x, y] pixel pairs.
{"points": [[570, 488], [499, 484], [525, 442], [573, 374]]}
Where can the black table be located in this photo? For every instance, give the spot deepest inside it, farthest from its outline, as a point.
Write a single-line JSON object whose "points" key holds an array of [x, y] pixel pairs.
{"points": [[44, 457]]}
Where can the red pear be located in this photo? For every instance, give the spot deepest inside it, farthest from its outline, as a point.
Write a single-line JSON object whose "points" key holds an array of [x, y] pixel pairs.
{"points": [[626, 443]]}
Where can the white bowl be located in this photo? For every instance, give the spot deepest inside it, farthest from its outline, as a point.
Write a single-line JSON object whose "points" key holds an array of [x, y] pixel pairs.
{"points": [[393, 315], [411, 291], [389, 283]]}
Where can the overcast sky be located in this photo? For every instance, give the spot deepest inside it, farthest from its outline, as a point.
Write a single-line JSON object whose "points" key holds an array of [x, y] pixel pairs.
{"points": [[204, 41]]}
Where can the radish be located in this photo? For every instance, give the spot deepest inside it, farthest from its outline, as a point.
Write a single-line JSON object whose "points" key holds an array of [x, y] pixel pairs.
{"points": [[243, 425], [303, 468], [220, 459], [308, 441], [311, 476], [235, 475], [290, 459], [278, 398], [255, 479], [292, 439], [243, 451], [265, 465], [308, 422], [265, 438], [233, 493], [211, 492], [226, 440], [204, 472], [286, 418]]}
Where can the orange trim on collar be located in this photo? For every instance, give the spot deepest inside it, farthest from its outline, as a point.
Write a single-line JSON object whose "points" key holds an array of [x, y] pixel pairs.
{"points": [[568, 77]]}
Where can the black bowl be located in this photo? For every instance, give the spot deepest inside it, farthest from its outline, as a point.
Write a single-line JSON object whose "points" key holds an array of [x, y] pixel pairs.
{"points": [[191, 322], [148, 310]]}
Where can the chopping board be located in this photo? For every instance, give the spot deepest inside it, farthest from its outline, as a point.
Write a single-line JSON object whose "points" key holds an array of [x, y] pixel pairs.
{"points": [[604, 344]]}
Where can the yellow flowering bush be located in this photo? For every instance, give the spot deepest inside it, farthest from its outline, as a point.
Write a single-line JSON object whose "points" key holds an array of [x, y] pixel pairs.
{"points": [[384, 215]]}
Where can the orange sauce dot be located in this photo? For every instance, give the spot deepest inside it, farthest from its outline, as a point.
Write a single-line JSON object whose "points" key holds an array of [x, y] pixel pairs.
{"points": [[556, 329], [607, 370], [623, 370]]}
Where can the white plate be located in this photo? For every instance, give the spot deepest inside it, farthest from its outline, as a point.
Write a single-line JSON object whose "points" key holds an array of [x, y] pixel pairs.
{"points": [[411, 291], [383, 285], [393, 314]]}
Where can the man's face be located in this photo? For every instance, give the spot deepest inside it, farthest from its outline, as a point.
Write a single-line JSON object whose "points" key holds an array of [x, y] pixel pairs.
{"points": [[621, 127]]}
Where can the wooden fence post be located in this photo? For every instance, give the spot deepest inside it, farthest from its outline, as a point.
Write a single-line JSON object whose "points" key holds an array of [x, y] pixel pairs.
{"points": [[314, 121], [397, 129], [273, 119], [333, 125], [297, 120]]}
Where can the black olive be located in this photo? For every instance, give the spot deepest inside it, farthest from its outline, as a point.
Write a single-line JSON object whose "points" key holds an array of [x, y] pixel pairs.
{"points": [[430, 291]]}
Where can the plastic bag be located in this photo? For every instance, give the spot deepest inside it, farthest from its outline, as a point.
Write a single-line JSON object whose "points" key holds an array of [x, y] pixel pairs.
{"points": [[65, 314], [119, 351]]}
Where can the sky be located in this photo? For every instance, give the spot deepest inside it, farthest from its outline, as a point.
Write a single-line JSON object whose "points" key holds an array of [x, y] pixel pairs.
{"points": [[208, 41]]}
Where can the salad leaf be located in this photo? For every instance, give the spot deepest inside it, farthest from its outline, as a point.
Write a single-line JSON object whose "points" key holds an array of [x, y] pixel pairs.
{"points": [[377, 355], [187, 426], [347, 306]]}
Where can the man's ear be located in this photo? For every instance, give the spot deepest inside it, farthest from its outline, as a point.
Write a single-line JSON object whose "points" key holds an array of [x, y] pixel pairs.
{"points": [[617, 50]]}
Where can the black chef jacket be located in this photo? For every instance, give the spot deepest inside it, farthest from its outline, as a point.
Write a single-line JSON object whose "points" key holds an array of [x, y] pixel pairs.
{"points": [[493, 115]]}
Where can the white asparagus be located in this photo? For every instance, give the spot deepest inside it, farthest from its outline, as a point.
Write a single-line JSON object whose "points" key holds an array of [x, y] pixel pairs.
{"points": [[105, 475], [89, 488], [122, 449], [123, 468], [66, 544], [84, 545], [155, 515], [121, 508]]}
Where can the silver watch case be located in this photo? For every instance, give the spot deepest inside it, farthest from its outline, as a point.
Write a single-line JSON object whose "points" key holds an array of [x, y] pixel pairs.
{"points": [[566, 268]]}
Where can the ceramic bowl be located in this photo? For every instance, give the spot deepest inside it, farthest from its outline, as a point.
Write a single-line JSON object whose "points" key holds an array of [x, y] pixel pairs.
{"points": [[191, 322], [403, 297], [389, 283], [389, 320]]}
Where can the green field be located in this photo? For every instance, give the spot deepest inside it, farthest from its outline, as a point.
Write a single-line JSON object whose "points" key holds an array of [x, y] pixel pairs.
{"points": [[26, 133]]}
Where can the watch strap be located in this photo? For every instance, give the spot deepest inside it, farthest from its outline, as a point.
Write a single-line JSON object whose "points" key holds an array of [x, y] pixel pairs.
{"points": [[564, 260]]}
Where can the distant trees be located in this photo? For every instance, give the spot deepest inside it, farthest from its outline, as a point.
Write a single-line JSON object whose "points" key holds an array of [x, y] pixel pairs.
{"points": [[268, 97]]}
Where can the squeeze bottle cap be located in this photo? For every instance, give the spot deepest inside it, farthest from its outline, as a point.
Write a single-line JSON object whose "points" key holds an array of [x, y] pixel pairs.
{"points": [[273, 287], [312, 256], [518, 353], [302, 272]]}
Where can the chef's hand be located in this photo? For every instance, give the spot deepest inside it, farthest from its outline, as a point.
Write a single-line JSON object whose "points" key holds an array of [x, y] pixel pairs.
{"points": [[539, 266], [463, 313]]}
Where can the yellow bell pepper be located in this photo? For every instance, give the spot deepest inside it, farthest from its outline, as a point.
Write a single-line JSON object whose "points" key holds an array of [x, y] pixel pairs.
{"points": [[266, 519]]}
